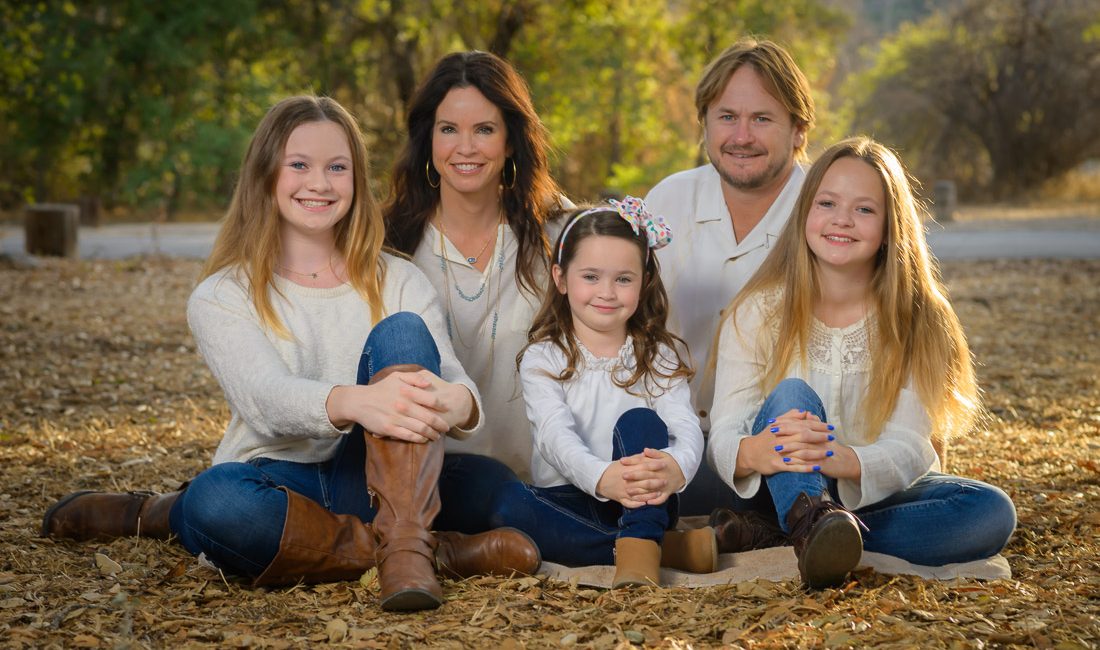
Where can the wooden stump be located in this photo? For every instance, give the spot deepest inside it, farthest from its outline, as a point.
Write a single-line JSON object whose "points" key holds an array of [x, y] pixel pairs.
{"points": [[51, 229], [946, 200]]}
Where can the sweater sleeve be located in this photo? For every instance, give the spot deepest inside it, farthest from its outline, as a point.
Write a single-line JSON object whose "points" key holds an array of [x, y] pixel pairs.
{"points": [[419, 296], [737, 396], [552, 423], [900, 455], [258, 385]]}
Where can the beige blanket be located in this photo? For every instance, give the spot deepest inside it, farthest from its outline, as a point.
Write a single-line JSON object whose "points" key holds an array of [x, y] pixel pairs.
{"points": [[779, 564]]}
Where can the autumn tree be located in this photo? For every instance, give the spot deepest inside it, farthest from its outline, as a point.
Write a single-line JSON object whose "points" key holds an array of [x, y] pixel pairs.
{"points": [[997, 94]]}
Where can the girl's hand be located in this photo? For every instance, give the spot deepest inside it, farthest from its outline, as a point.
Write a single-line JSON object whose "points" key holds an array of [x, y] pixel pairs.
{"points": [[796, 441], [403, 406], [612, 486], [455, 404], [653, 476]]}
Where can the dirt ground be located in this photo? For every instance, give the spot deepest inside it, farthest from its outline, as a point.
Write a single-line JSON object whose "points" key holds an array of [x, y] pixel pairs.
{"points": [[104, 389]]}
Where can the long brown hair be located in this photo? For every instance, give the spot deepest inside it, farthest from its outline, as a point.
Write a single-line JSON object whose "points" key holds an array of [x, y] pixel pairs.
{"points": [[527, 196], [554, 321], [917, 336], [249, 236]]}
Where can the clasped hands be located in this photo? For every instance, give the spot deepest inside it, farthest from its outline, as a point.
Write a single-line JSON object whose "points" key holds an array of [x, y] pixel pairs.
{"points": [[412, 406], [796, 441], [648, 478]]}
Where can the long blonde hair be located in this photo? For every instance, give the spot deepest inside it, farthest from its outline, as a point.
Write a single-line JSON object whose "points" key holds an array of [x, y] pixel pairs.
{"points": [[249, 236], [917, 333]]}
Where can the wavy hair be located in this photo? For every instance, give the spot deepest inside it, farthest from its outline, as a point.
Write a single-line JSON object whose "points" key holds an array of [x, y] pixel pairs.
{"points": [[917, 335], [527, 198], [249, 236], [647, 325]]}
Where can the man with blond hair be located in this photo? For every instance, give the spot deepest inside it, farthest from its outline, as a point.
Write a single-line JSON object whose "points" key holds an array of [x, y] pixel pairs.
{"points": [[755, 108]]}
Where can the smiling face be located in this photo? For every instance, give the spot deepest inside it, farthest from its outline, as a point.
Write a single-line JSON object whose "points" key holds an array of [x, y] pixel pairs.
{"points": [[469, 143], [603, 283], [750, 137], [846, 224], [316, 182]]}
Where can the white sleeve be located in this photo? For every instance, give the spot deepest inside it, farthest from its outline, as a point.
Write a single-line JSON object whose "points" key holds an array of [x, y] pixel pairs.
{"points": [[553, 426], [419, 296], [902, 453], [737, 396], [258, 385], [685, 437]]}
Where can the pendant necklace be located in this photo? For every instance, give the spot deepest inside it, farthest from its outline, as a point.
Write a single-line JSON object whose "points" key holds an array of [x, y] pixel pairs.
{"points": [[314, 274]]}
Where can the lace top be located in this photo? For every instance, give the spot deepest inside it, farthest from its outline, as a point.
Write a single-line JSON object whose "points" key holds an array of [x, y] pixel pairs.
{"points": [[838, 369]]}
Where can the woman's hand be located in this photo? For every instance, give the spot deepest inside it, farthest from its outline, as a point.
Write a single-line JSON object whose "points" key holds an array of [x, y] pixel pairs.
{"points": [[653, 476], [410, 406]]}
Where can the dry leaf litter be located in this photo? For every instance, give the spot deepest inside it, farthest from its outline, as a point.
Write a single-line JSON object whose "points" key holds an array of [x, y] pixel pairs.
{"points": [[104, 390]]}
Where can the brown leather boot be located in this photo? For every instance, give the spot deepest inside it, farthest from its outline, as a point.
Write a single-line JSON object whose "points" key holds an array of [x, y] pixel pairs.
{"points": [[826, 539], [500, 552], [88, 515], [318, 545], [745, 531], [695, 550], [404, 476], [637, 563]]}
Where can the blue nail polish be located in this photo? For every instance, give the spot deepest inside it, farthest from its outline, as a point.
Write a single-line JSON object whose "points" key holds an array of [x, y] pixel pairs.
{"points": [[831, 437], [801, 410], [786, 460], [774, 429], [831, 427], [817, 468], [829, 453], [779, 447], [771, 420]]}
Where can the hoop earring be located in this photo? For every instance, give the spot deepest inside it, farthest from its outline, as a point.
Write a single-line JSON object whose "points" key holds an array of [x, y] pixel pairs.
{"points": [[428, 175], [504, 175]]}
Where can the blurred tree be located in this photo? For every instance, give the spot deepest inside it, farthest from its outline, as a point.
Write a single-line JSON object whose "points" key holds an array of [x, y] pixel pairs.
{"points": [[997, 94]]}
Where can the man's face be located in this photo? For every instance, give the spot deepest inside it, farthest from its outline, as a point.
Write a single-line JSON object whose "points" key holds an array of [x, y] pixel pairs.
{"points": [[750, 136]]}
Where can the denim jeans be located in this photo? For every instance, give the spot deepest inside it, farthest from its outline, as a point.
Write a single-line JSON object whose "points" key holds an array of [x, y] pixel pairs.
{"points": [[574, 528], [234, 513], [939, 519]]}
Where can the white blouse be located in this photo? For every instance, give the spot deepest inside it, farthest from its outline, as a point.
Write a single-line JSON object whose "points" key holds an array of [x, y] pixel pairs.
{"points": [[572, 422], [487, 333], [838, 370]]}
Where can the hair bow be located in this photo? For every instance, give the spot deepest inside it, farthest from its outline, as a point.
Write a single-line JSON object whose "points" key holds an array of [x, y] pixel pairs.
{"points": [[633, 210]]}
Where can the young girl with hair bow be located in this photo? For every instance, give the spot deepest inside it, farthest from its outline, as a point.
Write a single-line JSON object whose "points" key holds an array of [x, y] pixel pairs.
{"points": [[607, 394]]}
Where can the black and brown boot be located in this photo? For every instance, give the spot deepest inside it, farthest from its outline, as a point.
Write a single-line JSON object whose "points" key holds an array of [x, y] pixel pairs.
{"points": [[88, 515], [826, 539], [745, 531]]}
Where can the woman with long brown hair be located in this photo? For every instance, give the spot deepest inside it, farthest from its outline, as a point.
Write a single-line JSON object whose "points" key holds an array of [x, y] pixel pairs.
{"points": [[471, 204]]}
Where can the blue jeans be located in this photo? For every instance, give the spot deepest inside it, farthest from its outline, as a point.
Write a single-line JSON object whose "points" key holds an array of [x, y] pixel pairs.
{"points": [[573, 528], [234, 513], [939, 519]]}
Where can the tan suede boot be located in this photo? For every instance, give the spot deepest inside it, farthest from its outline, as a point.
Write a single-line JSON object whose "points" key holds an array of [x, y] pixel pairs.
{"points": [[88, 515], [694, 550], [637, 563]]}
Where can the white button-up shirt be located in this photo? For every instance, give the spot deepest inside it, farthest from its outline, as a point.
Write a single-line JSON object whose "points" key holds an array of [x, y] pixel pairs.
{"points": [[705, 266]]}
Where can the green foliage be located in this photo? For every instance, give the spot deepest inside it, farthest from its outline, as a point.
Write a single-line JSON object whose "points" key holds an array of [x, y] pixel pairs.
{"points": [[150, 105]]}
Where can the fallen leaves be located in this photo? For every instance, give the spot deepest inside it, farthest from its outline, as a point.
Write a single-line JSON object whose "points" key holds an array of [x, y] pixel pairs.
{"points": [[104, 390]]}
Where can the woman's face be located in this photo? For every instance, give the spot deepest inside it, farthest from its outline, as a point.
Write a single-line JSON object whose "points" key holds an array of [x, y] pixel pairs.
{"points": [[316, 182], [469, 144]]}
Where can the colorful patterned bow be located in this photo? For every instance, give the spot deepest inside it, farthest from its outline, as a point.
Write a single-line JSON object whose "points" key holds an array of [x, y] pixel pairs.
{"points": [[657, 232]]}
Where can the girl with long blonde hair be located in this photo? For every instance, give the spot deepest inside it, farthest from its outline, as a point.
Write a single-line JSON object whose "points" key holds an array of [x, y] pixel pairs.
{"points": [[341, 383], [841, 370]]}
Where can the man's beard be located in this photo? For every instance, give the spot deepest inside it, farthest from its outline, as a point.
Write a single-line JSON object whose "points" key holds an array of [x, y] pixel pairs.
{"points": [[774, 169]]}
